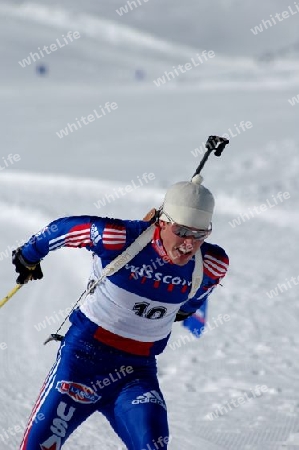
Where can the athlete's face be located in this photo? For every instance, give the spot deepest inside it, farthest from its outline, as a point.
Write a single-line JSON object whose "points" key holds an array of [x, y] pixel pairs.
{"points": [[179, 249]]}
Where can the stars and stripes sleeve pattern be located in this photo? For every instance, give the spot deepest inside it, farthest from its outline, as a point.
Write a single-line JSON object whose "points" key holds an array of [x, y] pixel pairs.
{"points": [[114, 236], [104, 236], [65, 232], [77, 236], [215, 266]]}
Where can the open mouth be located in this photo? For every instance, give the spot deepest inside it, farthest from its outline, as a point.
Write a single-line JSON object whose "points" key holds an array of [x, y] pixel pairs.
{"points": [[183, 251]]}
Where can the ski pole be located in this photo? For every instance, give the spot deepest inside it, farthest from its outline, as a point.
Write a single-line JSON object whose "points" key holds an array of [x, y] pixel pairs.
{"points": [[10, 294], [214, 143]]}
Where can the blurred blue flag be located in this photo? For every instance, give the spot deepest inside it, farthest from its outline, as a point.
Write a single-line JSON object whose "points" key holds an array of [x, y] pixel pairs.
{"points": [[196, 322]]}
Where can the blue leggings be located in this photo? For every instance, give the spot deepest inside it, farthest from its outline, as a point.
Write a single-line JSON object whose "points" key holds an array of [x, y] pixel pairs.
{"points": [[89, 376]]}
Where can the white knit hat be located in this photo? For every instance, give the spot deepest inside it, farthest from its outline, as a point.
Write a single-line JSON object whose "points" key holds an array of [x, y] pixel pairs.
{"points": [[189, 203]]}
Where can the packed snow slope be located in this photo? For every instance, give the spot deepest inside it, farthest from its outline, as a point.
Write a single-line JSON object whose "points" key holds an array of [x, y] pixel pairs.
{"points": [[159, 131]]}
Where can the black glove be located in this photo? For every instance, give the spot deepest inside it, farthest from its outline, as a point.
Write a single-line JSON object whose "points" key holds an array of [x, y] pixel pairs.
{"points": [[27, 271], [181, 315]]}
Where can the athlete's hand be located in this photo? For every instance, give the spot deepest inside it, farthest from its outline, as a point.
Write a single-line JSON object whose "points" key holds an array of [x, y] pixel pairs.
{"points": [[181, 315], [27, 271]]}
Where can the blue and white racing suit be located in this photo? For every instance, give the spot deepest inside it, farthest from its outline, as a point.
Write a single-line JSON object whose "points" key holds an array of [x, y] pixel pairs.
{"points": [[106, 361]]}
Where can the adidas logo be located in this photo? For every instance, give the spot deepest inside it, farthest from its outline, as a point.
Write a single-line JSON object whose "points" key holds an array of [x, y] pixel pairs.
{"points": [[150, 397]]}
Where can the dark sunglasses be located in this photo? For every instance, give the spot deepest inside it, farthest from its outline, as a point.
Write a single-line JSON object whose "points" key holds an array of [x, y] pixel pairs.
{"points": [[185, 232]]}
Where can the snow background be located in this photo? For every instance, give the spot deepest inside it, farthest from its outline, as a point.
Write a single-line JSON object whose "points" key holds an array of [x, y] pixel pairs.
{"points": [[154, 130]]}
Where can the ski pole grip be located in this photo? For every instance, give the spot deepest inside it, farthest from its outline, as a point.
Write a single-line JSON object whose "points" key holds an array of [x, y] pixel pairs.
{"points": [[214, 143]]}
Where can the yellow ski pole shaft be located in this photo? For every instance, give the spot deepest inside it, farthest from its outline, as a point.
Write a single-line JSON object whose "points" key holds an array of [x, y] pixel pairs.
{"points": [[10, 294]]}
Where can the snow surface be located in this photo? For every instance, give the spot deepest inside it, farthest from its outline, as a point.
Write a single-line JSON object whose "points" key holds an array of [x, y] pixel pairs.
{"points": [[154, 130]]}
